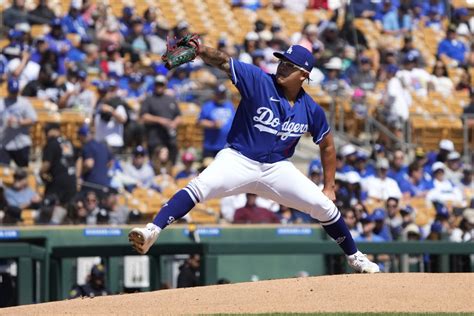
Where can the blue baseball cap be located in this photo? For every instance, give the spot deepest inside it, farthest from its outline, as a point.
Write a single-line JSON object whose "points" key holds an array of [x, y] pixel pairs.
{"points": [[15, 34], [56, 22], [84, 130], [442, 210], [82, 74], [378, 214], [136, 78], [299, 56], [366, 218], [13, 85]]}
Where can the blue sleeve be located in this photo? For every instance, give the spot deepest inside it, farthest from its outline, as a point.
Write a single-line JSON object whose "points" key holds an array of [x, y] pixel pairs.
{"points": [[442, 47], [320, 126], [245, 77], [87, 152], [205, 112]]}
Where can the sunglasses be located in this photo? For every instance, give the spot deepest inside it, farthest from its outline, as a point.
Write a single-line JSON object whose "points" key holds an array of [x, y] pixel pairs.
{"points": [[291, 65]]}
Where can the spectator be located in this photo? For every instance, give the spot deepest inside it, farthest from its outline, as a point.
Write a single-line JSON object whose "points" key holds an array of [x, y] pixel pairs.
{"points": [[80, 98], [469, 109], [451, 50], [351, 222], [398, 171], [368, 226], [45, 87], [412, 232], [42, 14], [310, 37], [181, 85], [15, 14], [443, 190], [95, 215], [16, 116], [363, 8], [381, 187], [362, 167], [364, 77], [118, 214], [464, 83], [188, 172], [252, 214], [465, 23], [139, 170], [73, 22], [445, 147], [433, 5], [161, 115], [161, 162], [188, 272], [333, 83], [109, 36], [453, 171], [408, 216], [77, 212], [433, 20], [94, 286], [315, 173], [290, 216], [332, 42], [381, 228], [110, 119], [410, 49], [440, 79], [58, 44], [389, 18], [216, 118], [20, 65], [465, 231], [467, 184], [20, 195], [416, 185], [136, 39], [393, 219], [96, 160], [413, 78], [58, 170]]}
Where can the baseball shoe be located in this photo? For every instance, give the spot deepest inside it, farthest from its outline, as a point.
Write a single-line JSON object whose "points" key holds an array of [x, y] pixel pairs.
{"points": [[360, 263], [143, 238]]}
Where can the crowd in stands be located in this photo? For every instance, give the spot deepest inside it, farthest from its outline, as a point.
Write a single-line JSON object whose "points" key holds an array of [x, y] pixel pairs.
{"points": [[108, 68]]}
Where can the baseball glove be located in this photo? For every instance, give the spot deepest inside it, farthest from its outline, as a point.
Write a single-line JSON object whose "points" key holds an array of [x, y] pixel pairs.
{"points": [[181, 51]]}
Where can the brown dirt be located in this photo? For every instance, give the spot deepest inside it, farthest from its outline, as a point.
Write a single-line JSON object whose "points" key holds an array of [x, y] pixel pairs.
{"points": [[415, 292]]}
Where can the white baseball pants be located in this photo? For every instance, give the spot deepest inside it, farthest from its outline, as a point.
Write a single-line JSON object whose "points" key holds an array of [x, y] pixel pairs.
{"points": [[233, 173]]}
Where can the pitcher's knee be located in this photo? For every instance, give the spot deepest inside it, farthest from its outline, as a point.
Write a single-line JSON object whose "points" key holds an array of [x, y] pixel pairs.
{"points": [[326, 213], [196, 190]]}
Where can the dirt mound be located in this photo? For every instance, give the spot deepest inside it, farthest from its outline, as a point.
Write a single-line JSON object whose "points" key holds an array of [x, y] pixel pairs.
{"points": [[341, 293]]}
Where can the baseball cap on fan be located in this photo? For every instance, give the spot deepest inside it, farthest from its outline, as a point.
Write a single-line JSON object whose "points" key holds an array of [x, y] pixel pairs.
{"points": [[299, 56]]}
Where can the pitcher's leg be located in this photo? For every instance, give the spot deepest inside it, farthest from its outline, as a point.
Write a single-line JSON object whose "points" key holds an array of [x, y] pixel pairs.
{"points": [[226, 175], [288, 186]]}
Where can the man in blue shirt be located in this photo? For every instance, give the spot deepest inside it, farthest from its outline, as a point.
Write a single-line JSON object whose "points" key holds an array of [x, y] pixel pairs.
{"points": [[216, 119], [273, 114], [452, 48], [96, 161]]}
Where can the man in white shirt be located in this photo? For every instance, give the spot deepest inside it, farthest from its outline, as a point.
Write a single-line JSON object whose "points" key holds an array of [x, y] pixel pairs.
{"points": [[20, 65], [443, 189], [139, 170], [414, 78], [381, 187], [110, 120]]}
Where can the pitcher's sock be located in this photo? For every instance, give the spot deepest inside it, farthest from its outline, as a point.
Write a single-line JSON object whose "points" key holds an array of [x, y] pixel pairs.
{"points": [[340, 233], [178, 206]]}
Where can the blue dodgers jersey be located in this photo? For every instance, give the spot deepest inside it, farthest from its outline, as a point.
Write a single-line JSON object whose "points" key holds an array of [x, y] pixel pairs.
{"points": [[266, 128]]}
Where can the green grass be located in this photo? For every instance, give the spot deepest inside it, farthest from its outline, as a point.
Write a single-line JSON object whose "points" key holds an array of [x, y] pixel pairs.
{"points": [[355, 314]]}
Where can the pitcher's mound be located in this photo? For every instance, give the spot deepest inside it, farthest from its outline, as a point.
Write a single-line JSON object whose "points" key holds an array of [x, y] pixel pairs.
{"points": [[416, 292]]}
